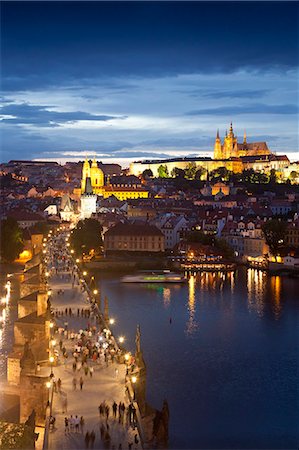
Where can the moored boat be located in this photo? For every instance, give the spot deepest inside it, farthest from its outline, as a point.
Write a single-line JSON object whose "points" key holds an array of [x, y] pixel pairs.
{"points": [[155, 277]]}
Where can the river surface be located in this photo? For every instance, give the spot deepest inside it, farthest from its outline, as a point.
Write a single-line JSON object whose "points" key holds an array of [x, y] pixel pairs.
{"points": [[227, 362]]}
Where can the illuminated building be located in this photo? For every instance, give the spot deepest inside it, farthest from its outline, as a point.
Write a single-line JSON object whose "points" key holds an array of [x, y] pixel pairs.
{"points": [[88, 200], [231, 154], [137, 238], [96, 176]]}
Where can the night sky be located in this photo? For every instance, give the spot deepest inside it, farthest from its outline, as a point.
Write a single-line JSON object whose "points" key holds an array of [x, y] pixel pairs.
{"points": [[138, 80]]}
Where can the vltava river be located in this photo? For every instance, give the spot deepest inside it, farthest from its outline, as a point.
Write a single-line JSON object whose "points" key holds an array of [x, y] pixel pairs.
{"points": [[227, 362]]}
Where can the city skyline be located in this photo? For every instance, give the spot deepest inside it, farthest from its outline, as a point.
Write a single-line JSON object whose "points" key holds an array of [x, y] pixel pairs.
{"points": [[138, 81]]}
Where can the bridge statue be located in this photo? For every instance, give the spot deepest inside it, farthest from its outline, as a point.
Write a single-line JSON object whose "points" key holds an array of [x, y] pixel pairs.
{"points": [[137, 340]]}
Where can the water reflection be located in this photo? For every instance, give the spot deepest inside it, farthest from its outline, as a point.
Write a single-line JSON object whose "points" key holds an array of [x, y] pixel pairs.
{"points": [[166, 297], [191, 324], [256, 291], [276, 296]]}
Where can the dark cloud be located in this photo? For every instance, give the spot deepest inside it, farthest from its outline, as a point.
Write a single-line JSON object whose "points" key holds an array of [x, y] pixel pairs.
{"points": [[246, 109], [41, 116], [217, 94], [57, 43]]}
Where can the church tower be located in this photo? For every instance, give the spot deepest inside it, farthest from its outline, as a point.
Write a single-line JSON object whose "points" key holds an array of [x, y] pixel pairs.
{"points": [[88, 201], [217, 147], [85, 174]]}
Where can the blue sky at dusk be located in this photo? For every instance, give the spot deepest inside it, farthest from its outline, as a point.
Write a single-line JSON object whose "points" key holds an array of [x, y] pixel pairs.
{"points": [[143, 80]]}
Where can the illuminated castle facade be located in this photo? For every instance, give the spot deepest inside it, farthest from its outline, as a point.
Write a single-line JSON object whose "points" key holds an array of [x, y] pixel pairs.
{"points": [[232, 149], [233, 155]]}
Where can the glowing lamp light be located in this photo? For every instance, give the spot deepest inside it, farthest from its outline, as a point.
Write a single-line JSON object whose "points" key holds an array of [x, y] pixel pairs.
{"points": [[95, 291], [85, 273], [111, 321], [77, 260], [47, 274], [53, 342], [68, 244], [49, 293], [121, 339], [45, 239], [134, 379], [51, 324], [48, 384], [44, 245], [51, 359], [44, 251], [72, 251], [127, 356], [4, 301]]}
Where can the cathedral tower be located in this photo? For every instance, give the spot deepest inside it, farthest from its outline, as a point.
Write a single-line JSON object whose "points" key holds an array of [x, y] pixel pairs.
{"points": [[217, 147], [230, 144]]}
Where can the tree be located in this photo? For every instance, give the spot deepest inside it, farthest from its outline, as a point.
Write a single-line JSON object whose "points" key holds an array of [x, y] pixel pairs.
{"points": [[86, 236], [274, 232], [273, 176], [190, 171], [147, 173], [294, 175], [163, 171], [200, 171], [178, 173], [11, 240], [41, 227]]}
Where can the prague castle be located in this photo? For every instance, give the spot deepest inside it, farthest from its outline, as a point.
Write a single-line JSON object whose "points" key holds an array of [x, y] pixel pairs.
{"points": [[232, 149], [231, 154]]}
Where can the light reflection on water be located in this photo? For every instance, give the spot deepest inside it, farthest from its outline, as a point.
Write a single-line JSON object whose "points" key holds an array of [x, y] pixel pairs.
{"points": [[225, 362]]}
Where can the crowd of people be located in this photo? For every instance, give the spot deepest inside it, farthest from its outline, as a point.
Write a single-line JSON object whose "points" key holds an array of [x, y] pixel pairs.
{"points": [[84, 351]]}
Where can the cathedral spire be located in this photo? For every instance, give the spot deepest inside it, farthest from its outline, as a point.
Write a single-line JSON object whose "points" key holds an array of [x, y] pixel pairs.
{"points": [[245, 138], [217, 135]]}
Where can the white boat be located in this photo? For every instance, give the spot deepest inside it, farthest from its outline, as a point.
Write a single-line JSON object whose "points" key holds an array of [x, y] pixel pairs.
{"points": [[155, 277]]}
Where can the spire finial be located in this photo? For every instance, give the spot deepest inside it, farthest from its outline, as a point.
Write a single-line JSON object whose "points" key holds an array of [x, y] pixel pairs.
{"points": [[245, 137], [217, 135]]}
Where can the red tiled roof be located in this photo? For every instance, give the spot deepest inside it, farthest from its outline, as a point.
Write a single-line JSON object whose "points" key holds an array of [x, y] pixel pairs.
{"points": [[127, 229]]}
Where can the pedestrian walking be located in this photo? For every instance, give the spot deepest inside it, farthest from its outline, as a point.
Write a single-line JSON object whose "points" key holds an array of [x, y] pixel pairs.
{"points": [[114, 408], [107, 411], [59, 384], [77, 423], [87, 439], [92, 438], [81, 383], [82, 422], [91, 371], [74, 383], [71, 422], [66, 425]]}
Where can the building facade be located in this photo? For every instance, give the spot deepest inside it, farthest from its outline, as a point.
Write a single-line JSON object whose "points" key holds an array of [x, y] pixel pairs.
{"points": [[136, 238]]}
